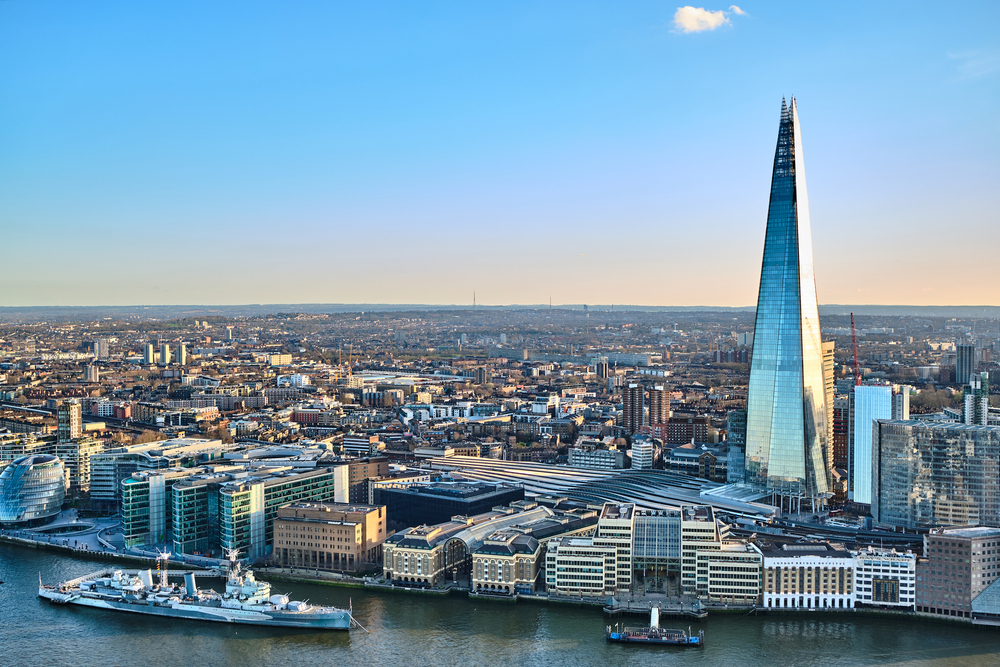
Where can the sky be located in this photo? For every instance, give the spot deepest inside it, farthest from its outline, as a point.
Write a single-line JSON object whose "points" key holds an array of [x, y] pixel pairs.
{"points": [[420, 152]]}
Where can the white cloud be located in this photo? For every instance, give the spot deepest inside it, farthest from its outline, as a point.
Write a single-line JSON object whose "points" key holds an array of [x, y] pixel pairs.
{"points": [[974, 64], [698, 19]]}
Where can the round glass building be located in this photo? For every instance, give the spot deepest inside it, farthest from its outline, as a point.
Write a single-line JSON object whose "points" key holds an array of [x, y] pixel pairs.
{"points": [[32, 490]]}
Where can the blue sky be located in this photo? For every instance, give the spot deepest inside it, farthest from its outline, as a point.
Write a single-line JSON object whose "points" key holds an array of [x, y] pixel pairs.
{"points": [[412, 152]]}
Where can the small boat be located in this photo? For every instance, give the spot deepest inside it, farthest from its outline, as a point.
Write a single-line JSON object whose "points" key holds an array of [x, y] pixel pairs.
{"points": [[654, 634]]}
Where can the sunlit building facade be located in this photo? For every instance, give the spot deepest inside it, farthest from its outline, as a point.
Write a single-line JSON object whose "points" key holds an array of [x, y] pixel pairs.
{"points": [[787, 436]]}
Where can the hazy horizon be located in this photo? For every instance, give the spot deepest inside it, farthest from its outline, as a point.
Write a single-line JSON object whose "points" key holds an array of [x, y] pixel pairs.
{"points": [[260, 153]]}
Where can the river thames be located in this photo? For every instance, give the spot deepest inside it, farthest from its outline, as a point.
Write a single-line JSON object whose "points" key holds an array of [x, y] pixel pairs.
{"points": [[409, 629]]}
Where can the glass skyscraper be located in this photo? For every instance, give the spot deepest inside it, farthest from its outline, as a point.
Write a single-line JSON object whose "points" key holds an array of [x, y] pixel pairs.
{"points": [[871, 402], [928, 474], [787, 448]]}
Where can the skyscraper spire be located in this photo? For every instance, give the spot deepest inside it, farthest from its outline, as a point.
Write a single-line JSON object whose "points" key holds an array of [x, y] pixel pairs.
{"points": [[786, 402]]}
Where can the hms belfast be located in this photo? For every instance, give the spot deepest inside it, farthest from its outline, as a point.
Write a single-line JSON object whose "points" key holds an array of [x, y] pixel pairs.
{"points": [[245, 600]]}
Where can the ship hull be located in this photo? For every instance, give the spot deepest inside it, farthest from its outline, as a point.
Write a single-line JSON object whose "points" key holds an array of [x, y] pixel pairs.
{"points": [[336, 620]]}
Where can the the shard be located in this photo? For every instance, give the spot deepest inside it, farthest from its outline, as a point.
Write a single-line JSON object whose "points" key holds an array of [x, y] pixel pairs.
{"points": [[786, 445]]}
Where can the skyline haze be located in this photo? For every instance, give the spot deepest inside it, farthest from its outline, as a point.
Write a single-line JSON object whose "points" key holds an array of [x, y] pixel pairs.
{"points": [[252, 153]]}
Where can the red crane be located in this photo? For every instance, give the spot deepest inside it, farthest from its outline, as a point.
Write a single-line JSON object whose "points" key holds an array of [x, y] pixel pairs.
{"points": [[854, 339]]}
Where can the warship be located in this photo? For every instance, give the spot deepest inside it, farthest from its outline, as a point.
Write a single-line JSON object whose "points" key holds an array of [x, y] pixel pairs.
{"points": [[245, 600]]}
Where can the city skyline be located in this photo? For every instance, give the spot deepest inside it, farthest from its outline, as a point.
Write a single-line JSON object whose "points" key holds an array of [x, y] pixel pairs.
{"points": [[248, 156]]}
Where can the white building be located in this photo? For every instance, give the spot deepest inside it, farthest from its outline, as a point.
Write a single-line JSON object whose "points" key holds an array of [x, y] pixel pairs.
{"points": [[885, 578], [643, 453], [815, 575]]}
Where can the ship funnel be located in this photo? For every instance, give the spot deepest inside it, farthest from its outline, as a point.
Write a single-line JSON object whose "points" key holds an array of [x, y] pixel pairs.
{"points": [[146, 577], [654, 617], [189, 585]]}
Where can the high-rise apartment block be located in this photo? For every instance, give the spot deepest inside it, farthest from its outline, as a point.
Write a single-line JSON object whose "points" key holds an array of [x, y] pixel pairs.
{"points": [[977, 400], [659, 405], [633, 401], [182, 354], [69, 421], [164, 354], [901, 403], [965, 363], [148, 354], [787, 435], [841, 431]]}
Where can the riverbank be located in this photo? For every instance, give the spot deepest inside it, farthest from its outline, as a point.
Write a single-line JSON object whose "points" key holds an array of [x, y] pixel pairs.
{"points": [[635, 608]]}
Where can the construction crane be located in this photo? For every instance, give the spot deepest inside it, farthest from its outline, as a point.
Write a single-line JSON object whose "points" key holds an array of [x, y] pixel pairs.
{"points": [[854, 339]]}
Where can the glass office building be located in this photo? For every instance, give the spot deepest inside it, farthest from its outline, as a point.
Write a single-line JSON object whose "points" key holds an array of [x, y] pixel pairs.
{"points": [[871, 402], [32, 490], [786, 449], [928, 474]]}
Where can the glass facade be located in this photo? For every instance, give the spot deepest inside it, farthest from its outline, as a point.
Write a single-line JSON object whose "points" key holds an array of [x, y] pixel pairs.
{"points": [[32, 490], [787, 448], [871, 402], [927, 474]]}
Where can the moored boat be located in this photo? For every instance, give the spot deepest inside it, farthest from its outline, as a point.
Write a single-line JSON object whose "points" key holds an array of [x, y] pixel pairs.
{"points": [[245, 600], [654, 634]]}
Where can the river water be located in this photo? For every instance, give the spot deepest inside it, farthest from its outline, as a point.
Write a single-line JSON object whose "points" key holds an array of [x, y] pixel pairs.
{"points": [[424, 630]]}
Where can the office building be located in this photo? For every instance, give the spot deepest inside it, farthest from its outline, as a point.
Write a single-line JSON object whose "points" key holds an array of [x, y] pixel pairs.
{"points": [[429, 555], [841, 431], [429, 504], [507, 563], [330, 536], [885, 579], [76, 456], [596, 454], [598, 565], [829, 382], [699, 532], [614, 532], [643, 453], [931, 474], [69, 421], [633, 400], [814, 575], [965, 363], [656, 547], [217, 508], [110, 467], [787, 449], [247, 506], [977, 400], [510, 560], [958, 565], [871, 402], [575, 567], [730, 574], [736, 438], [32, 489]]}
